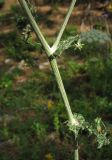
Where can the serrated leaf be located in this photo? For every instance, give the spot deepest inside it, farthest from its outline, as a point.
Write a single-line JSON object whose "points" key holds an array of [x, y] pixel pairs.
{"points": [[66, 44], [97, 129]]}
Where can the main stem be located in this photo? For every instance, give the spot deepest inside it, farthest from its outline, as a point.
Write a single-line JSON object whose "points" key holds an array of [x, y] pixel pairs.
{"points": [[62, 89], [76, 151], [76, 154]]}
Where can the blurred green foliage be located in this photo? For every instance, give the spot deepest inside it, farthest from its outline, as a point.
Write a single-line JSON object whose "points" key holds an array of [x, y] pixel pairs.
{"points": [[90, 94], [2, 3]]}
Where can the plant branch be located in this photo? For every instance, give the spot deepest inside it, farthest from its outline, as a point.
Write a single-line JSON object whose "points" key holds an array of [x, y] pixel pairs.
{"points": [[35, 27], [55, 45], [53, 62]]}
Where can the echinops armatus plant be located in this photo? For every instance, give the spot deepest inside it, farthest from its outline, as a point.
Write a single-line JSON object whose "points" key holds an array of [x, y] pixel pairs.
{"points": [[76, 122]]}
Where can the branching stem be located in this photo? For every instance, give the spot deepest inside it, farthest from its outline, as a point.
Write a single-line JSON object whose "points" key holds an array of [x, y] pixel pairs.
{"points": [[49, 52]]}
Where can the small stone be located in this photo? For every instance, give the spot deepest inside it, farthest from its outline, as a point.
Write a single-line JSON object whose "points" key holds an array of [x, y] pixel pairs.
{"points": [[22, 65], [8, 61]]}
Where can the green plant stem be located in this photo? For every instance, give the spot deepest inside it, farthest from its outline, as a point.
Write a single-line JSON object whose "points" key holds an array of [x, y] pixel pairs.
{"points": [[62, 89], [35, 26], [55, 45], [76, 154], [53, 62], [76, 151]]}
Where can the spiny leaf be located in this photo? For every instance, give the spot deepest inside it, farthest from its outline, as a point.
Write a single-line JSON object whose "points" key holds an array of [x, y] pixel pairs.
{"points": [[97, 128], [72, 41]]}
